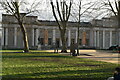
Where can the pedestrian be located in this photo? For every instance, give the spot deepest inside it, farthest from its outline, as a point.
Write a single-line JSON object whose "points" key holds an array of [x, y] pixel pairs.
{"points": [[116, 75], [72, 49], [56, 46]]}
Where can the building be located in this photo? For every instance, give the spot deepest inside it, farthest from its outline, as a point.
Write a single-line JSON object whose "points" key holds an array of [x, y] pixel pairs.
{"points": [[44, 33]]}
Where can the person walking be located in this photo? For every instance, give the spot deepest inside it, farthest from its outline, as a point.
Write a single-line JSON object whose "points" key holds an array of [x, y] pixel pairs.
{"points": [[116, 75], [72, 49]]}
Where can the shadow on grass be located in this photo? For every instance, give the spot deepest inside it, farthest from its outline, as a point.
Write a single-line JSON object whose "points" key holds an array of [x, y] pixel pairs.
{"points": [[28, 52], [53, 79], [61, 75], [33, 55]]}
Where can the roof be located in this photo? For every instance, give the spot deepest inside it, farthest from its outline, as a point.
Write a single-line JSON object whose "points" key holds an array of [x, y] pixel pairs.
{"points": [[73, 24], [7, 18], [21, 14]]}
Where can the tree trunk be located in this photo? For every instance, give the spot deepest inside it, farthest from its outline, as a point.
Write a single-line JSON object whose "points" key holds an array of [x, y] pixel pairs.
{"points": [[25, 38], [118, 27], [63, 39], [78, 40], [118, 20], [78, 29]]}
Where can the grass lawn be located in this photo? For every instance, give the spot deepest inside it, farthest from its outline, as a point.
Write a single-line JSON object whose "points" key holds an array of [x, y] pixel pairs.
{"points": [[52, 66]]}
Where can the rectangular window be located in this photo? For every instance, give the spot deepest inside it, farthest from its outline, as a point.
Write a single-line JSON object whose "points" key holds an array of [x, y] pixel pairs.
{"points": [[41, 41], [73, 40], [49, 41]]}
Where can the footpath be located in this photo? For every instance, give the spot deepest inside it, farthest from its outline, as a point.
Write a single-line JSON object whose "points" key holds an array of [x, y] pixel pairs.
{"points": [[98, 55], [105, 56]]}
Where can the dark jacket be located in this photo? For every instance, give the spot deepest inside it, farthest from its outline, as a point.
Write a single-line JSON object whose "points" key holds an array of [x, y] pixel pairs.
{"points": [[117, 76]]}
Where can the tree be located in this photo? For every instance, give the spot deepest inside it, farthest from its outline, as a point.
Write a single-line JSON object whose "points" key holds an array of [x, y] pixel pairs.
{"points": [[14, 7], [113, 7], [77, 13], [77, 19], [61, 13], [117, 14]]}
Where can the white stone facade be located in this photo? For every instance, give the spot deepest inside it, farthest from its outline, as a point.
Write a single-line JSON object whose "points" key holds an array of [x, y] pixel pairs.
{"points": [[45, 35]]}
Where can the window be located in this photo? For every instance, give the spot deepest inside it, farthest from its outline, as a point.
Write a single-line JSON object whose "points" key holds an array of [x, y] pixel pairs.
{"points": [[73, 40], [41, 41], [49, 41]]}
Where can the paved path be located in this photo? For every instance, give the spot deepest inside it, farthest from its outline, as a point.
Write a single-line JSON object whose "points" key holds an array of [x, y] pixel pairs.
{"points": [[98, 55], [106, 56]]}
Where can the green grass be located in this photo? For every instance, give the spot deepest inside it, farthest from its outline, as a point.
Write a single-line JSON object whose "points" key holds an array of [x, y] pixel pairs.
{"points": [[43, 65]]}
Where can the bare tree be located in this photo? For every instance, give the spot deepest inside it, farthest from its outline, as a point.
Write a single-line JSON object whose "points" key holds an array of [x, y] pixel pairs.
{"points": [[77, 13], [14, 8], [113, 7], [116, 11], [61, 13], [117, 14], [77, 19]]}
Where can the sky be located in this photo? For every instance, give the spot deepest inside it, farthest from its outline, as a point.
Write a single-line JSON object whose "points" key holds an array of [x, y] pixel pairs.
{"points": [[45, 12], [45, 8]]}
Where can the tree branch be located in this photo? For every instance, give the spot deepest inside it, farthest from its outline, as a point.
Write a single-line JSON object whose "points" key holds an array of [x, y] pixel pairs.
{"points": [[53, 10], [116, 5], [58, 9], [112, 9], [69, 11]]}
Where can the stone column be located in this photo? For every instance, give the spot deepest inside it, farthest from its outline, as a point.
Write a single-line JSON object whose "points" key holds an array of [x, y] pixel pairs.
{"points": [[54, 37], [98, 37], [60, 42], [110, 38], [76, 36], [69, 37], [15, 36], [95, 38], [103, 39], [91, 38], [6, 36], [36, 39], [3, 36], [33, 37]]}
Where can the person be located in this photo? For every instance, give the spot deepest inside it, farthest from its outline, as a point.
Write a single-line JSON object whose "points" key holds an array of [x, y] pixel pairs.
{"points": [[110, 78], [116, 75], [56, 46], [72, 49]]}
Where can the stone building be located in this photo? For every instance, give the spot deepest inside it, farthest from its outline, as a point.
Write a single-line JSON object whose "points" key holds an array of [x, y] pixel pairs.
{"points": [[97, 34]]}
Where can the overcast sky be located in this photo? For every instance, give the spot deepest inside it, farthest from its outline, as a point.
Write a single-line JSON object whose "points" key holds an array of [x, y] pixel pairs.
{"points": [[46, 12], [45, 8]]}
